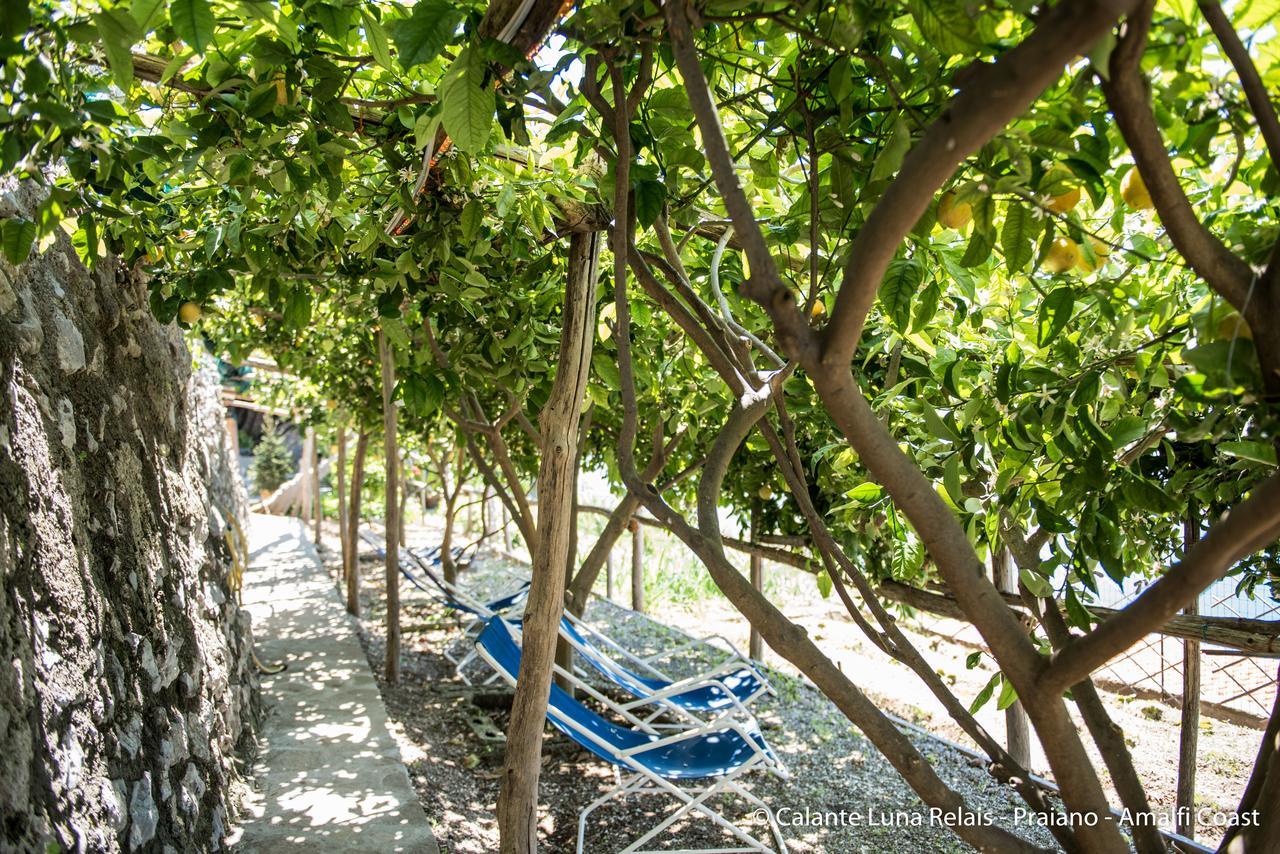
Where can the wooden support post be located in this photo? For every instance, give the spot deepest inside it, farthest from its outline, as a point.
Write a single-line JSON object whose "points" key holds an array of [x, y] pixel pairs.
{"points": [[317, 510], [353, 526], [506, 529], [755, 645], [637, 566], [308, 475], [404, 495], [342, 503], [233, 439], [1189, 734], [1017, 725], [391, 457], [610, 565]]}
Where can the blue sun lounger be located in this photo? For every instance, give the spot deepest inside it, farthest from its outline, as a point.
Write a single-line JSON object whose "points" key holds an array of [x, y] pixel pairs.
{"points": [[707, 760]]}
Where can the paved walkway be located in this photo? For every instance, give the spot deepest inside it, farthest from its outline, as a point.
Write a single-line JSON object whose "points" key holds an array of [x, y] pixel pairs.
{"points": [[329, 776]]}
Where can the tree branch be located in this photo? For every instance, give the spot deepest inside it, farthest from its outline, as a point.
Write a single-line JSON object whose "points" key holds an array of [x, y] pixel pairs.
{"points": [[1251, 525]]}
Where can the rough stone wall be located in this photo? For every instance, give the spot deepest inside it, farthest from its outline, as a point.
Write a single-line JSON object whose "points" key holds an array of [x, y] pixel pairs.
{"points": [[126, 687]]}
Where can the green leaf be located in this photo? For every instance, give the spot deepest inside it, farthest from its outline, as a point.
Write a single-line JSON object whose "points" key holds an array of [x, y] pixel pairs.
{"points": [[466, 104], [1126, 431], [472, 216], [973, 659], [1036, 583], [377, 39], [1145, 495], [1021, 228], [420, 37], [824, 584], [649, 196], [984, 695], [17, 236], [1258, 452], [118, 32], [951, 480], [901, 281], [1008, 695], [193, 22], [945, 25], [1055, 314], [144, 13], [895, 149]]}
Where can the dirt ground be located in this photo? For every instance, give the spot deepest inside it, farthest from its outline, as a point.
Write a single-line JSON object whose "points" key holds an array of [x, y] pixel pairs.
{"points": [[451, 736]]}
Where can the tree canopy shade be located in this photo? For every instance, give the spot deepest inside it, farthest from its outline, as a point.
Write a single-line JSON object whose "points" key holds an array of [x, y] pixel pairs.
{"points": [[918, 281]]}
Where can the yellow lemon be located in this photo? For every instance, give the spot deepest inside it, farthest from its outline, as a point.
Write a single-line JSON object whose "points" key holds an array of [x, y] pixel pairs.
{"points": [[1065, 202], [1134, 191], [819, 309], [766, 492], [1100, 252], [1063, 255], [953, 214], [1233, 326], [189, 312]]}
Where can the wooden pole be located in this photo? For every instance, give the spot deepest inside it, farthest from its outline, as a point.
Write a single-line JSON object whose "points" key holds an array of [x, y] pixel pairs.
{"points": [[1189, 734], [637, 566], [391, 456], [353, 525], [755, 645], [233, 437], [506, 529], [304, 468], [610, 565], [1017, 725], [317, 510], [342, 502], [404, 497]]}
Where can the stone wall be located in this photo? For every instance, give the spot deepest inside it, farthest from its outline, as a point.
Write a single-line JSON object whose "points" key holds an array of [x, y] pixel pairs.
{"points": [[126, 688]]}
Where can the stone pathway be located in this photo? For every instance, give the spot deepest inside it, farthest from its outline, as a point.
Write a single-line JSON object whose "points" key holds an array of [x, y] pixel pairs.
{"points": [[329, 777]]}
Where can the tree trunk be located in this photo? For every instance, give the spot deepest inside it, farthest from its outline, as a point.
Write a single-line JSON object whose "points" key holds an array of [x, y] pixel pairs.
{"points": [[353, 526], [637, 566], [391, 545], [518, 801], [342, 501]]}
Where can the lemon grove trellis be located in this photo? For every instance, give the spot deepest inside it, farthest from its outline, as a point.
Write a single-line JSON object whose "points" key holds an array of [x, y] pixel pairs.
{"points": [[951, 280]]}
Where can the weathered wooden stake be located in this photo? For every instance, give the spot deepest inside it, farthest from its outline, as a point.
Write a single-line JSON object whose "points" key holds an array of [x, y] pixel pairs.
{"points": [[353, 525], [1017, 725], [610, 565], [391, 456], [342, 504], [637, 566], [317, 510], [1189, 734], [755, 645]]}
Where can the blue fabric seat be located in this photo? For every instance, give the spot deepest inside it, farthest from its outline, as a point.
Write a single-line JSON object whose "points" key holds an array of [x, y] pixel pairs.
{"points": [[698, 757], [741, 684]]}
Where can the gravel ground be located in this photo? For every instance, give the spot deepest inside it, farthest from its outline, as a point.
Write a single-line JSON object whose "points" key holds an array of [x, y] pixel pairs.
{"points": [[436, 718]]}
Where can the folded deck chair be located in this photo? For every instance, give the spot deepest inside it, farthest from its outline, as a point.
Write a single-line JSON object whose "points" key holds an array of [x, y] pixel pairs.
{"points": [[707, 760], [730, 686]]}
